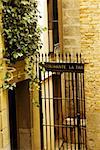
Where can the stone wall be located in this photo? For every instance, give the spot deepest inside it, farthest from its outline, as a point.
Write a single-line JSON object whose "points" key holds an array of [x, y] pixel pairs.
{"points": [[4, 122], [4, 115], [90, 47], [81, 33], [71, 25]]}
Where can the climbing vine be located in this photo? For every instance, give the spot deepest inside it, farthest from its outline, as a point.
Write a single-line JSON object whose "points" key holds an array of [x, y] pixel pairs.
{"points": [[22, 33], [21, 29]]}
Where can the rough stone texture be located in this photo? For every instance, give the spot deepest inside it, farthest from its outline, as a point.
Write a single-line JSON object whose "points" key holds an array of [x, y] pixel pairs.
{"points": [[4, 120], [6, 148], [90, 47], [81, 33], [36, 118], [71, 26]]}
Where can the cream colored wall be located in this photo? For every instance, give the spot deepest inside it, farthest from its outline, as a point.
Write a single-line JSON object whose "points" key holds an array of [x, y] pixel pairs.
{"points": [[48, 113], [81, 33], [44, 23], [4, 121], [90, 47], [36, 118], [71, 25]]}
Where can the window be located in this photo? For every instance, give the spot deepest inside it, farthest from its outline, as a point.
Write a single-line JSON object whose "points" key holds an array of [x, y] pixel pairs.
{"points": [[54, 22]]}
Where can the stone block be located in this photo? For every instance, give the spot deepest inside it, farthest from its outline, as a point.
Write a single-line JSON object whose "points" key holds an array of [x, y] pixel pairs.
{"points": [[0, 122], [71, 30], [71, 41], [67, 4], [69, 20], [71, 12], [1, 141], [3, 100], [5, 137], [8, 147], [5, 116]]}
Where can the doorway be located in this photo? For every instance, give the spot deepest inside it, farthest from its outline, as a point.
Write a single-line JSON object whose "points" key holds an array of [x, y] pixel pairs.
{"points": [[12, 118], [20, 116]]}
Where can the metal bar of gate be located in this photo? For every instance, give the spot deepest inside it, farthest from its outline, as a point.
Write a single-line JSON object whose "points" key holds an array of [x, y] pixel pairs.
{"points": [[66, 109], [77, 105], [74, 128], [85, 144], [40, 102], [73, 99]]}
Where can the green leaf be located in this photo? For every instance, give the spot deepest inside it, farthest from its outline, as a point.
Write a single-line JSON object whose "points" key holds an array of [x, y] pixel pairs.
{"points": [[22, 33], [25, 2]]}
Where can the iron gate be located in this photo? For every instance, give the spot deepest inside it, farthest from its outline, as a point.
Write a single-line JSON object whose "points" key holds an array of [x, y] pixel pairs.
{"points": [[62, 103]]}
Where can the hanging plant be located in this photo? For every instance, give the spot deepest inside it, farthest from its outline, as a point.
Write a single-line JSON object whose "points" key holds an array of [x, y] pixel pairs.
{"points": [[22, 33]]}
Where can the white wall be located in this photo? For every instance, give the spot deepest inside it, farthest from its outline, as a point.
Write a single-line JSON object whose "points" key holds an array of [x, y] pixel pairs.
{"points": [[48, 113], [44, 23]]}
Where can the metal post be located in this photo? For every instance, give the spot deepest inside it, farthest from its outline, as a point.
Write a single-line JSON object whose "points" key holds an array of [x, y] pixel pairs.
{"points": [[41, 114], [78, 110]]}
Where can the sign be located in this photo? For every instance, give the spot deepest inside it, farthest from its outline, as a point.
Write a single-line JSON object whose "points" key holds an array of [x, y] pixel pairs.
{"points": [[63, 67]]}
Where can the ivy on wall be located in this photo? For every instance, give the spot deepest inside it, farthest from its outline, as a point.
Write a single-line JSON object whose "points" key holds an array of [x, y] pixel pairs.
{"points": [[22, 33], [21, 30]]}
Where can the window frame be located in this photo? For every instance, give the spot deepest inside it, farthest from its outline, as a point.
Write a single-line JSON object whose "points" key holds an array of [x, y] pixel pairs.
{"points": [[50, 26]]}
